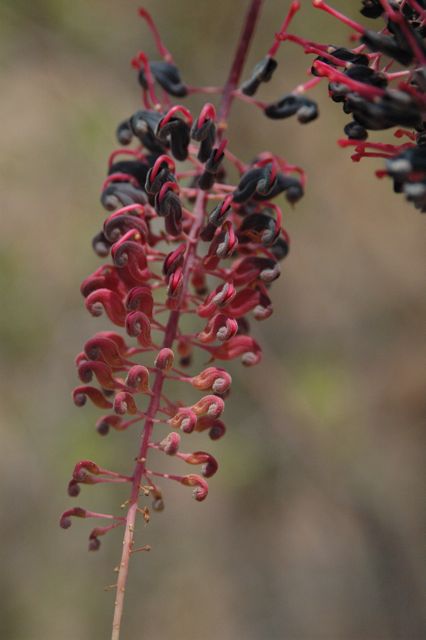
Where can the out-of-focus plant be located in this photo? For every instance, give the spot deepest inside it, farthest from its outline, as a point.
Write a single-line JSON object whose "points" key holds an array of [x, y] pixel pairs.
{"points": [[184, 241]]}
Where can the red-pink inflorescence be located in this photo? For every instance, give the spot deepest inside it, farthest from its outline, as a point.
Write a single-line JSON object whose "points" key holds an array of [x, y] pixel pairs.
{"points": [[180, 241], [184, 242]]}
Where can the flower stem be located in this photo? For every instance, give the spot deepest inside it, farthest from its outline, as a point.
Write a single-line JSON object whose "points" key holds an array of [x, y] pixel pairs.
{"points": [[238, 63]]}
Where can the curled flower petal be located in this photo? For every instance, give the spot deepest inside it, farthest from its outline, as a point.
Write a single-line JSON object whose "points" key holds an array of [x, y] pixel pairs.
{"points": [[119, 223], [212, 378], [140, 299], [102, 372], [219, 327], [124, 403], [210, 464], [215, 427], [209, 405], [80, 395], [185, 419], [239, 345], [108, 300], [194, 480], [139, 326], [137, 378], [108, 347], [76, 512]]}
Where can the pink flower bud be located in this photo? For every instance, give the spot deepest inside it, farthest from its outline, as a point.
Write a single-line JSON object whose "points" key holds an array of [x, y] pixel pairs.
{"points": [[138, 325], [185, 419], [140, 299], [210, 406], [164, 359], [137, 378], [170, 444], [239, 345], [202, 488], [220, 297], [175, 283], [124, 403], [212, 378]]}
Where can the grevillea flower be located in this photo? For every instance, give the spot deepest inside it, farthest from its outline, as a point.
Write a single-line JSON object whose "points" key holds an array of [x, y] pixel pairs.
{"points": [[179, 240]]}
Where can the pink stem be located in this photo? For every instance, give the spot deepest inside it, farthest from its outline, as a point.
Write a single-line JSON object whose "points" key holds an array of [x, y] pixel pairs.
{"points": [[237, 66]]}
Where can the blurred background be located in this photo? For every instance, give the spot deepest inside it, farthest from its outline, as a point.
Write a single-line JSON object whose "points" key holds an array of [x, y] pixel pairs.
{"points": [[312, 529]]}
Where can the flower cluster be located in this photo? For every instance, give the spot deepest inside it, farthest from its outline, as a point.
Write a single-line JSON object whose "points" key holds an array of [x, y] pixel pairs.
{"points": [[182, 242], [380, 83]]}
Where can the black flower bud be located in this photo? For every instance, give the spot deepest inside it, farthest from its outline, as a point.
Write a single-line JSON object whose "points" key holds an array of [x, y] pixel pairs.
{"points": [[167, 76], [262, 72], [289, 105]]}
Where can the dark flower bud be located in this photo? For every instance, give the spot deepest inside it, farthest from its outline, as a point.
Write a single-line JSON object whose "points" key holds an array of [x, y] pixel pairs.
{"points": [[388, 45], [216, 218], [346, 55], [212, 166], [117, 224], [262, 72], [167, 76], [94, 544], [361, 73], [167, 201], [122, 194], [292, 187], [101, 245], [124, 133], [73, 488], [174, 260], [338, 91], [145, 121], [251, 181], [410, 160], [355, 131], [371, 8], [104, 424], [178, 132], [204, 131], [134, 168], [280, 248], [306, 109], [259, 228]]}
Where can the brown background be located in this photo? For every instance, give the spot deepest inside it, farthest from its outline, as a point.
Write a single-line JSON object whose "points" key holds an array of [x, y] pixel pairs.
{"points": [[312, 527]]}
